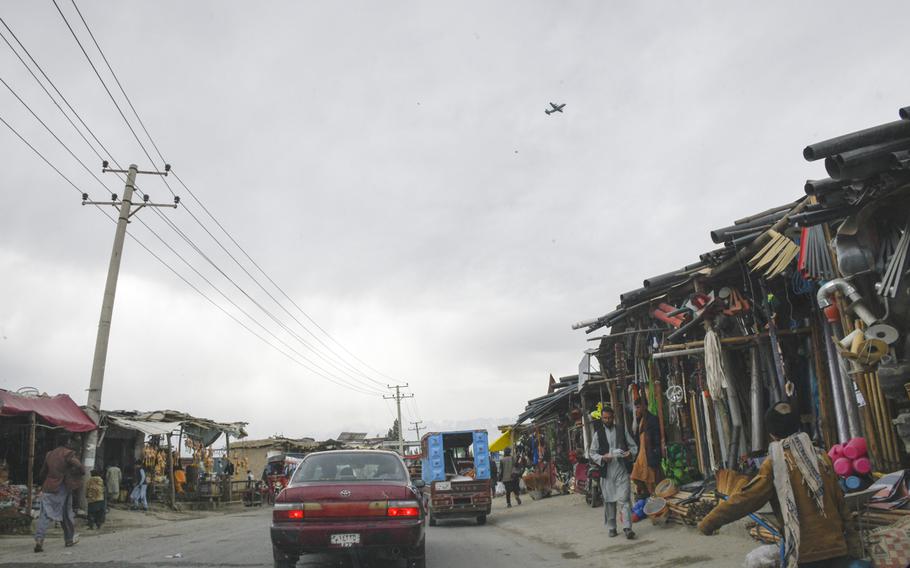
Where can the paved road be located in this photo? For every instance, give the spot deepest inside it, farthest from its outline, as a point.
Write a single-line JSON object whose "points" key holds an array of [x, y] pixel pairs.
{"points": [[241, 541]]}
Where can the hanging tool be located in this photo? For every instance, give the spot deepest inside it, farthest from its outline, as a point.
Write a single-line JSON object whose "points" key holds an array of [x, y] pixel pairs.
{"points": [[896, 266], [775, 256]]}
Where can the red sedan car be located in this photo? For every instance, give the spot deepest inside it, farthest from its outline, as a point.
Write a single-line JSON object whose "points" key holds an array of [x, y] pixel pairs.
{"points": [[350, 499]]}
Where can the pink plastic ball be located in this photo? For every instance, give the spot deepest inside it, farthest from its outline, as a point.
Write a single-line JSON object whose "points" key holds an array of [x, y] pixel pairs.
{"points": [[843, 466], [855, 448], [862, 466], [836, 452]]}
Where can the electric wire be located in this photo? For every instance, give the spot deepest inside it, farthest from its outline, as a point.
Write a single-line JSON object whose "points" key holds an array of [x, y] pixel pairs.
{"points": [[73, 155], [53, 86], [168, 221], [199, 222], [81, 192], [32, 73], [57, 138]]}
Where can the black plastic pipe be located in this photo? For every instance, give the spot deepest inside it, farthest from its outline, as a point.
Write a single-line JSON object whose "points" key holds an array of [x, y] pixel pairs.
{"points": [[874, 135], [825, 186]]}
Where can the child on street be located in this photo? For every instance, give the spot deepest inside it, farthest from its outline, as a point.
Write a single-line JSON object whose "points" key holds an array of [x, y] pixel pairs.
{"points": [[94, 495]]}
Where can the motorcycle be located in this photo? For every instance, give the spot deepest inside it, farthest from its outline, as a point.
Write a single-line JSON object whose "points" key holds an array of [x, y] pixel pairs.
{"points": [[587, 481], [593, 496]]}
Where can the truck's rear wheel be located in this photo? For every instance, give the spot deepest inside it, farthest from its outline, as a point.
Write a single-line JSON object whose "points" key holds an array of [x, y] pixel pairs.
{"points": [[481, 519], [431, 519]]}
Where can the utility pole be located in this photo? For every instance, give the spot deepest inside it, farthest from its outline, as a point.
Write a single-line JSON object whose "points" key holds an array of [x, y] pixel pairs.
{"points": [[417, 428], [398, 396], [125, 205]]}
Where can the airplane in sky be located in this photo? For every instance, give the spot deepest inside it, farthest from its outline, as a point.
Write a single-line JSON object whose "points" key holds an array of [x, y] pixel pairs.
{"points": [[556, 108]]}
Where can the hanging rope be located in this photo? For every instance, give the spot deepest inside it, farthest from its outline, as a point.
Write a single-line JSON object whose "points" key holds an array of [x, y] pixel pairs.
{"points": [[714, 366]]}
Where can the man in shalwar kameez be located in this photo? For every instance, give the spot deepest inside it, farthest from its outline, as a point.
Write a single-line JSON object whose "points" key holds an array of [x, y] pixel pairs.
{"points": [[615, 484], [63, 474]]}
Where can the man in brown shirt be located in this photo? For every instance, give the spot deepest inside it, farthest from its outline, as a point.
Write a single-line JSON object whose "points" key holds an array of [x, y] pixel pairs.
{"points": [[63, 474], [822, 533]]}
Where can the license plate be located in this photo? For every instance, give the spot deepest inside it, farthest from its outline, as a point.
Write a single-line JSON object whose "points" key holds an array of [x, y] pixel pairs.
{"points": [[443, 486], [346, 540]]}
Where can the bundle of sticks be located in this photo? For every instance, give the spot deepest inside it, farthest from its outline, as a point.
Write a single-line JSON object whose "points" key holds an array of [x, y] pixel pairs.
{"points": [[763, 535], [686, 511]]}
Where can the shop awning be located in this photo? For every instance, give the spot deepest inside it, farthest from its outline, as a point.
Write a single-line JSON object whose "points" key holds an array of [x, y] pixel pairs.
{"points": [[502, 442], [146, 426], [59, 410]]}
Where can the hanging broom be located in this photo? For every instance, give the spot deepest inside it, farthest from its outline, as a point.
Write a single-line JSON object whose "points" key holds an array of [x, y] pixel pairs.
{"points": [[775, 256]]}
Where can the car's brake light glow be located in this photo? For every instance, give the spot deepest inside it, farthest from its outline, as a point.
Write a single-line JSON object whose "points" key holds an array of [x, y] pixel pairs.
{"points": [[288, 512], [401, 509]]}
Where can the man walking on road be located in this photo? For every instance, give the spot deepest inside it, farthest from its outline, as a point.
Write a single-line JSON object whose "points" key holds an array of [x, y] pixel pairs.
{"points": [[615, 484], [509, 474], [63, 474]]}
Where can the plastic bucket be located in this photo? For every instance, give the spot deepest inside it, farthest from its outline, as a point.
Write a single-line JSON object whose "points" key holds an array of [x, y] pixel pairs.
{"points": [[862, 466], [855, 448], [843, 467], [836, 452], [853, 483]]}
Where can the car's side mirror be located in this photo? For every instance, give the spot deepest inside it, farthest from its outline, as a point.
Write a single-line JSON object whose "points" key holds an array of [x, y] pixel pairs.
{"points": [[419, 483]]}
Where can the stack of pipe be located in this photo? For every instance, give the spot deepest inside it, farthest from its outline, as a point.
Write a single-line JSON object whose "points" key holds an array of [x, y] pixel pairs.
{"points": [[815, 255], [862, 165], [877, 406]]}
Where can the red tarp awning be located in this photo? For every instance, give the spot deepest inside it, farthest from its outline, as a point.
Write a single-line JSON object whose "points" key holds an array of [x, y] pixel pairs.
{"points": [[58, 410]]}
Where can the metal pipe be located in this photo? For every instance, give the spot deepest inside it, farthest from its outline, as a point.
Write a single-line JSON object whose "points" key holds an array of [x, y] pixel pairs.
{"points": [[668, 354], [596, 321], [850, 405], [819, 187], [837, 390], [813, 218], [733, 398], [858, 168], [755, 216], [728, 234], [717, 235], [756, 395], [866, 137], [848, 290]]}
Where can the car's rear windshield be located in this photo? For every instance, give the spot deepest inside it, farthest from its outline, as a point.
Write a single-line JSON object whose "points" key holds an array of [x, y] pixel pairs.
{"points": [[351, 466]]}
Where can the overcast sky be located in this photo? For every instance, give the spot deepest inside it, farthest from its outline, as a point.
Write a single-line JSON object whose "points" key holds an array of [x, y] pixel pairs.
{"points": [[390, 166]]}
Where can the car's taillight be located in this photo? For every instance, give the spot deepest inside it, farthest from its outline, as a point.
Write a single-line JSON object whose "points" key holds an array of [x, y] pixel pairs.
{"points": [[403, 509], [288, 512]]}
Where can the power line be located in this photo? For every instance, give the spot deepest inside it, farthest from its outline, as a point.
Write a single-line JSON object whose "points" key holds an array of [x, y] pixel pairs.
{"points": [[111, 69], [57, 138], [168, 221], [79, 190], [40, 84], [95, 69], [139, 119]]}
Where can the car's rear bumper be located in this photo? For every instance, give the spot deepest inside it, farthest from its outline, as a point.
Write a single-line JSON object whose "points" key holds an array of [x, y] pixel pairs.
{"points": [[453, 505], [315, 536]]}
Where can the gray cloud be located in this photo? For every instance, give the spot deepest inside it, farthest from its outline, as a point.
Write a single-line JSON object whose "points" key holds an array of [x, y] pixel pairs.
{"points": [[391, 167]]}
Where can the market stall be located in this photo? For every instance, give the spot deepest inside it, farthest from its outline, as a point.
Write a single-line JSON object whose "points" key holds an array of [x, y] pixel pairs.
{"points": [[164, 437], [31, 425], [807, 302]]}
